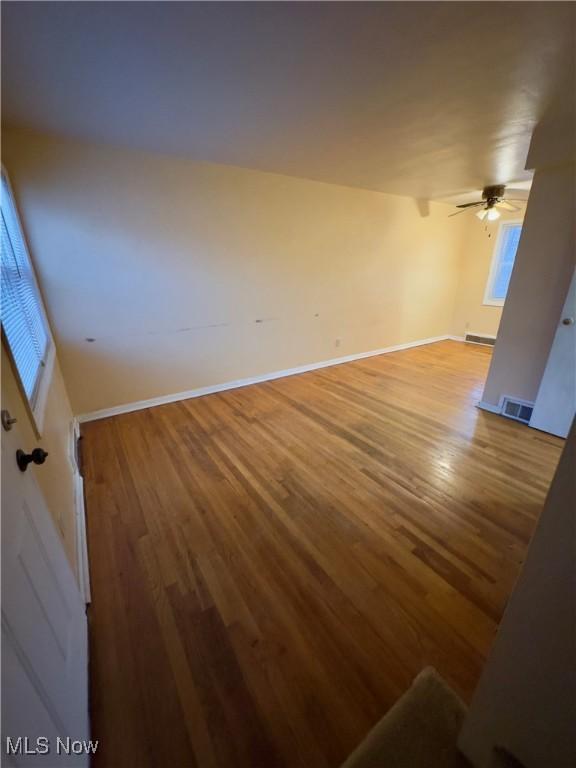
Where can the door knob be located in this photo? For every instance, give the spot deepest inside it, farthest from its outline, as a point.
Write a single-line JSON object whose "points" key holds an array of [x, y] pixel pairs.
{"points": [[568, 321], [38, 456]]}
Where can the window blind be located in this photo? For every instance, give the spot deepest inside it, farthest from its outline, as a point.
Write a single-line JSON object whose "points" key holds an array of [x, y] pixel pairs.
{"points": [[22, 318], [506, 256]]}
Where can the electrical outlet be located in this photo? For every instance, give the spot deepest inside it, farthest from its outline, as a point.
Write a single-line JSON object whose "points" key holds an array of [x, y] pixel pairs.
{"points": [[337, 342]]}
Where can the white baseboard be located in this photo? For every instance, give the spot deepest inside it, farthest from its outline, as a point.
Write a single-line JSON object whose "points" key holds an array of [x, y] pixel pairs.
{"points": [[490, 407], [484, 335], [83, 570], [201, 391], [474, 333]]}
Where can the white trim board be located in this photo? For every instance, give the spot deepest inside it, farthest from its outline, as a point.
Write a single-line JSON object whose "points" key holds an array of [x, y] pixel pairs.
{"points": [[490, 407], [139, 405], [474, 333], [83, 570], [477, 333]]}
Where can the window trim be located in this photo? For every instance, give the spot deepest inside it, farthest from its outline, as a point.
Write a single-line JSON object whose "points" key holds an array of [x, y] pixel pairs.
{"points": [[488, 301], [37, 407]]}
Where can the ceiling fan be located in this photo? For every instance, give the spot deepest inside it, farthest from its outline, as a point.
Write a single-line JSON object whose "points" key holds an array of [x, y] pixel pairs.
{"points": [[492, 199]]}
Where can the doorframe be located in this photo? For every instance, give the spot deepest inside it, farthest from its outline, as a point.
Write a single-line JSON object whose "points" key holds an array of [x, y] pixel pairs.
{"points": [[83, 565]]}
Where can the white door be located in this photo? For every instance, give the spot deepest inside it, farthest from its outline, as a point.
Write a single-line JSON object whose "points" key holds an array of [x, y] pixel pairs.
{"points": [[44, 629], [556, 400]]}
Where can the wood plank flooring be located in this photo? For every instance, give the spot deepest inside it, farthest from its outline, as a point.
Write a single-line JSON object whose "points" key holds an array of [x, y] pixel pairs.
{"points": [[272, 566]]}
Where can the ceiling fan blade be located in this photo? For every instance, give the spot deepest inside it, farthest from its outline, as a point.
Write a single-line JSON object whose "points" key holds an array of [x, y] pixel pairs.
{"points": [[469, 205], [457, 212], [516, 200], [507, 206]]}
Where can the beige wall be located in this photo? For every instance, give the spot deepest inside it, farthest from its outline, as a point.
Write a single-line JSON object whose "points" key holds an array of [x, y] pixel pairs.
{"points": [[55, 477], [189, 275], [471, 315], [526, 698], [544, 263], [542, 273]]}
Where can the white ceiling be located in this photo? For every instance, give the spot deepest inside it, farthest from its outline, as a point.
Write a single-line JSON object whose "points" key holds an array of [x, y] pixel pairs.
{"points": [[424, 99]]}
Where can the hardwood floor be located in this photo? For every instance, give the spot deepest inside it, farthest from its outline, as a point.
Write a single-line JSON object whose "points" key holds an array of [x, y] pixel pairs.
{"points": [[272, 566]]}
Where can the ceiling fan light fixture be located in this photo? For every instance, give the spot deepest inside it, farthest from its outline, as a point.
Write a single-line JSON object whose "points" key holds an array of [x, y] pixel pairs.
{"points": [[490, 214]]}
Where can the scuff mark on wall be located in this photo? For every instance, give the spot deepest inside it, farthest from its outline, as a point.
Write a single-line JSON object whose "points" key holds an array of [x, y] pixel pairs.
{"points": [[163, 332]]}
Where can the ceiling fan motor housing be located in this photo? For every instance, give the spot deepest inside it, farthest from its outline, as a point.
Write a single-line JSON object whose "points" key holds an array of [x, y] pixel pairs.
{"points": [[493, 194]]}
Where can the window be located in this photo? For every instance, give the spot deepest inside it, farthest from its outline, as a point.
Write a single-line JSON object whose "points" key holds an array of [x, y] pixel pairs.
{"points": [[502, 263], [24, 324]]}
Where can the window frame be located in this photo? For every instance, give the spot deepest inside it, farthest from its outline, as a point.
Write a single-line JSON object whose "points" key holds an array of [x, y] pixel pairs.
{"points": [[488, 300], [36, 406]]}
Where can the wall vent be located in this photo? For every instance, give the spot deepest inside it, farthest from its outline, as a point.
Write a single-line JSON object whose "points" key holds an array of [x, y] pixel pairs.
{"points": [[519, 410], [475, 339]]}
